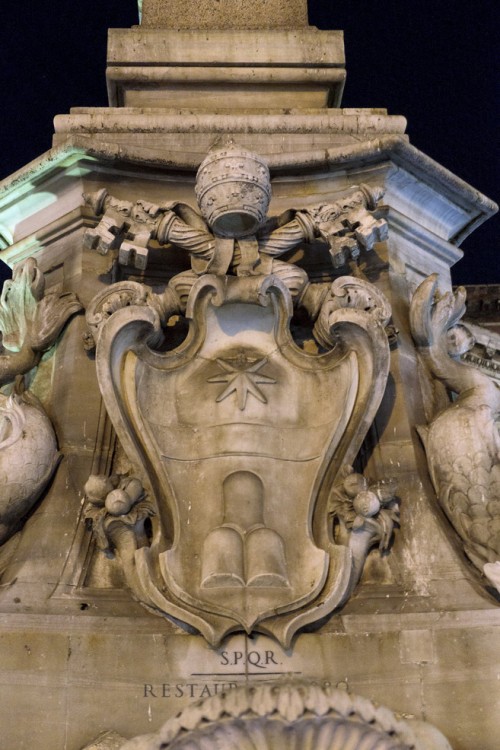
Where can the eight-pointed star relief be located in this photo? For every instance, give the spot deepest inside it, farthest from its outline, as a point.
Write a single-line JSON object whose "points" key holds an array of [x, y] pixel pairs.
{"points": [[242, 378]]}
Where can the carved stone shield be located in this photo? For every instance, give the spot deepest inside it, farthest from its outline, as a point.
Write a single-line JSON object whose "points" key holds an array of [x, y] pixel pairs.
{"points": [[240, 434]]}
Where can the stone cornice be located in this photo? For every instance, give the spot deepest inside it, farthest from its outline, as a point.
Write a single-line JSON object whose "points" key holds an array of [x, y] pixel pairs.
{"points": [[133, 120], [467, 208]]}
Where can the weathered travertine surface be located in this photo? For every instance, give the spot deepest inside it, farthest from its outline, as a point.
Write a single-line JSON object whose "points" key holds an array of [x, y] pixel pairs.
{"points": [[416, 627], [225, 69], [224, 14]]}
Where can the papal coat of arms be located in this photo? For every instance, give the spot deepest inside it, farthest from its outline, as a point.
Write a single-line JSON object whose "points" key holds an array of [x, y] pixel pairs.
{"points": [[241, 440]]}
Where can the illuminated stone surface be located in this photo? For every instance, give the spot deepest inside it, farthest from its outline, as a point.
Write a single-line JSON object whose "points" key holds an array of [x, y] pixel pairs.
{"points": [[419, 632], [224, 14]]}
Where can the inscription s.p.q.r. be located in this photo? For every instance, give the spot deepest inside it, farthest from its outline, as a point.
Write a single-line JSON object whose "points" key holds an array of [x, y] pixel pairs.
{"points": [[254, 658]]}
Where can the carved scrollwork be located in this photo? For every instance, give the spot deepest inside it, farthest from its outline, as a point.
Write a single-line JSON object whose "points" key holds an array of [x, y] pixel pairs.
{"points": [[462, 442], [113, 298], [348, 292], [220, 403], [243, 570]]}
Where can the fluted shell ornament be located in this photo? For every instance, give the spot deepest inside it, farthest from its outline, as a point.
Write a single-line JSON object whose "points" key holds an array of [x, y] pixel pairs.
{"points": [[289, 716], [28, 458]]}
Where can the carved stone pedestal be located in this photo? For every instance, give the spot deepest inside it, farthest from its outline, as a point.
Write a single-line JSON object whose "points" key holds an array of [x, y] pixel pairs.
{"points": [[236, 456]]}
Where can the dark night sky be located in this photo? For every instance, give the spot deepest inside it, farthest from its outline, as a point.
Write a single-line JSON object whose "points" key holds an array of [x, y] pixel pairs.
{"points": [[435, 62]]}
